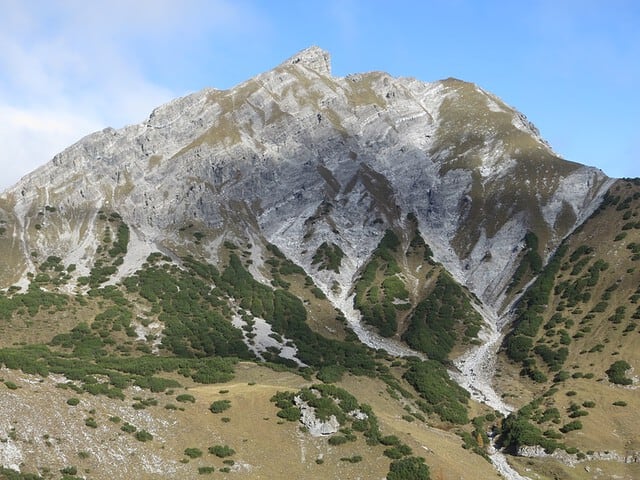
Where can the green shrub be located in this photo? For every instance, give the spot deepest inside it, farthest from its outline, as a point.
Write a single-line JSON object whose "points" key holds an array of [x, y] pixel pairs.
{"points": [[550, 414], [329, 256], [156, 384], [143, 436], [442, 395], [193, 452], [410, 468], [394, 288], [287, 315], [220, 406], [531, 261], [128, 428], [571, 426], [518, 347], [222, 451], [535, 299], [378, 308], [393, 453], [10, 474], [185, 397], [553, 358], [194, 324], [353, 459], [330, 373], [291, 413], [433, 323], [517, 431], [319, 294], [390, 440], [338, 440], [617, 373]]}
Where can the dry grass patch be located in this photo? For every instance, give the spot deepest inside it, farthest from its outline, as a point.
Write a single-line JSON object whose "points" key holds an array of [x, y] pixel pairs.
{"points": [[272, 447], [441, 449]]}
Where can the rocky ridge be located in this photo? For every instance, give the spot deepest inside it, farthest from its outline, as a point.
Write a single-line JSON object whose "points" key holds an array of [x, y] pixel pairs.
{"points": [[297, 157]]}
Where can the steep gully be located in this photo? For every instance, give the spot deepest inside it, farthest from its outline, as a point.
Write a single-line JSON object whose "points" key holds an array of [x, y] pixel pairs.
{"points": [[476, 368]]}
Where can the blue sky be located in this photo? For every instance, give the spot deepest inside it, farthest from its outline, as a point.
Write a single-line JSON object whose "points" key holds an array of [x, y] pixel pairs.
{"points": [[70, 67]]}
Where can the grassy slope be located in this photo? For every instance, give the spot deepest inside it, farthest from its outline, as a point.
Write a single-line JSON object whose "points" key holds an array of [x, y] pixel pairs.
{"points": [[474, 130], [265, 446], [593, 328]]}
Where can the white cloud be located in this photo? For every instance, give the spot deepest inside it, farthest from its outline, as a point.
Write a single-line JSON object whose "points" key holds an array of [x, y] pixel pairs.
{"points": [[31, 137], [71, 67]]}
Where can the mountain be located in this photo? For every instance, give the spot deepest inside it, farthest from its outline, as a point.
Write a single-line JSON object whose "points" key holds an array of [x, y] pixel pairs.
{"points": [[365, 230], [260, 160]]}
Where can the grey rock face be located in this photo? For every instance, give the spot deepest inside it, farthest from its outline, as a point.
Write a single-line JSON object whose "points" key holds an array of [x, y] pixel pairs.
{"points": [[313, 58], [537, 451], [314, 425], [297, 157]]}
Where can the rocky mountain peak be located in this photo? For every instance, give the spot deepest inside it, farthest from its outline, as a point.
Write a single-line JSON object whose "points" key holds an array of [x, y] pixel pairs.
{"points": [[373, 147], [314, 58]]}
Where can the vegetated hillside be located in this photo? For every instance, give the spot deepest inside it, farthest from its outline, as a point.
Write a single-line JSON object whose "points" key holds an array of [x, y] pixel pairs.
{"points": [[572, 355], [403, 292], [106, 369]]}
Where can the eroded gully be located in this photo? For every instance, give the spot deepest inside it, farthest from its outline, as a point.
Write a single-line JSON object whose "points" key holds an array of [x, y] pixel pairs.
{"points": [[476, 368]]}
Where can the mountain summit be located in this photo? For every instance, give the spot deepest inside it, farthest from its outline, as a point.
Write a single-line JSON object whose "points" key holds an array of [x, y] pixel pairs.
{"points": [[314, 58]]}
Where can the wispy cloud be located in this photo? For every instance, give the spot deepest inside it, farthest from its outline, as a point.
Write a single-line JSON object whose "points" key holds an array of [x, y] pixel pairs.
{"points": [[29, 137], [70, 67]]}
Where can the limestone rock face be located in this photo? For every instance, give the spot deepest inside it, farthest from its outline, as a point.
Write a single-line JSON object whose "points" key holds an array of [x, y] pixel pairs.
{"points": [[297, 157], [314, 425]]}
